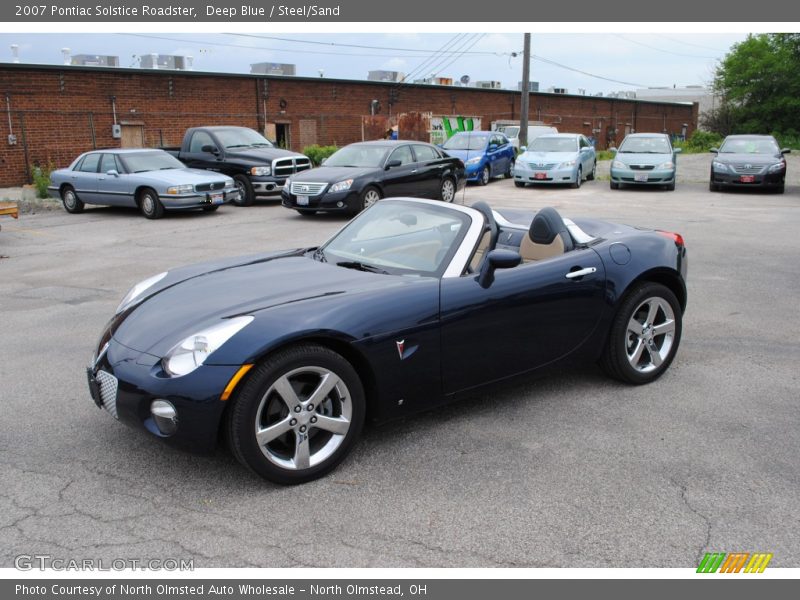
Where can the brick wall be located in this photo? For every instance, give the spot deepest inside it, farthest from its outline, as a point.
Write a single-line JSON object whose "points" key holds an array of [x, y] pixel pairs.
{"points": [[59, 112]]}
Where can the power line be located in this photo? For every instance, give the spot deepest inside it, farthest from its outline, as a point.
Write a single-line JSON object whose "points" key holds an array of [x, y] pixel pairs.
{"points": [[562, 66], [622, 37], [479, 38], [690, 44], [419, 69]]}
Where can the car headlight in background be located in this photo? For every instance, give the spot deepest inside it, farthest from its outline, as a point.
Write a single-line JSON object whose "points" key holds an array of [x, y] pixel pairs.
{"points": [[138, 290], [667, 165], [567, 164], [777, 167], [195, 349], [180, 189], [618, 164], [261, 171], [341, 186], [473, 161], [718, 166]]}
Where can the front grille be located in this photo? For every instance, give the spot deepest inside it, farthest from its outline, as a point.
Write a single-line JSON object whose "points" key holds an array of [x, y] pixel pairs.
{"points": [[542, 166], [283, 167], [307, 189], [108, 391], [207, 187], [642, 167], [747, 169]]}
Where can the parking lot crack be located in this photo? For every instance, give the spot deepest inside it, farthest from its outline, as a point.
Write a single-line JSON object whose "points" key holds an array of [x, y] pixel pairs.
{"points": [[706, 521]]}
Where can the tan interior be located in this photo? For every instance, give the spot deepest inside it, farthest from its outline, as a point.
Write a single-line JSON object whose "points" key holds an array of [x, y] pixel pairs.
{"points": [[530, 250], [480, 251]]}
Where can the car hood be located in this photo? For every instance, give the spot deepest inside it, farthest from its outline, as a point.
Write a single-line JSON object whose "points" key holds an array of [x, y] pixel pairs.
{"points": [[333, 174], [261, 154], [746, 158], [548, 157], [465, 155], [194, 298], [180, 176], [637, 158]]}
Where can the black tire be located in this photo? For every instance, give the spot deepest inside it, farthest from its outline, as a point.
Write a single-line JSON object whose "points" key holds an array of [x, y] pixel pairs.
{"points": [[616, 360], [519, 184], [780, 189], [307, 213], [246, 194], [72, 204], [578, 178], [486, 176], [510, 171], [259, 405], [593, 173], [212, 208], [150, 205], [614, 185], [712, 187], [447, 190], [670, 187], [369, 196]]}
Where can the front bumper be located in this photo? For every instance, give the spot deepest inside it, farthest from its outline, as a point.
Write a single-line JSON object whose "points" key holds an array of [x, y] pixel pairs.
{"points": [[199, 199], [763, 179], [347, 201], [267, 185], [473, 172], [525, 174], [125, 382], [643, 177]]}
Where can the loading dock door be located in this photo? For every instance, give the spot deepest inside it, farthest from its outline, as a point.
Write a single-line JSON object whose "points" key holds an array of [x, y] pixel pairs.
{"points": [[132, 136]]}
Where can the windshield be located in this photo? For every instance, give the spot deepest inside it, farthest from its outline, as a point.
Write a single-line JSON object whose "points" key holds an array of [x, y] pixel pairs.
{"points": [[141, 162], [751, 146], [467, 141], [554, 144], [645, 145], [242, 138], [358, 155], [510, 131], [400, 238]]}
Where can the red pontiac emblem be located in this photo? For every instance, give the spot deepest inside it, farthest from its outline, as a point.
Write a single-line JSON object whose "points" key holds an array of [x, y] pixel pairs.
{"points": [[400, 347]]}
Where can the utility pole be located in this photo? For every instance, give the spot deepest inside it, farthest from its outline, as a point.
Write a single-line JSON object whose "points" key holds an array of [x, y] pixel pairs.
{"points": [[526, 85]]}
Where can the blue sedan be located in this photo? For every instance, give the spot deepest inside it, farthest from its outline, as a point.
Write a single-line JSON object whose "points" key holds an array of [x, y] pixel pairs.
{"points": [[151, 180], [556, 158], [486, 154]]}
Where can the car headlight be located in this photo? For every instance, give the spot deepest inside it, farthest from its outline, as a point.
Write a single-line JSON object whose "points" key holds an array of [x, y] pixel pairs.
{"points": [[567, 164], [667, 165], [180, 189], [473, 161], [136, 291], [341, 186], [195, 349], [777, 167], [261, 171], [718, 166], [618, 164]]}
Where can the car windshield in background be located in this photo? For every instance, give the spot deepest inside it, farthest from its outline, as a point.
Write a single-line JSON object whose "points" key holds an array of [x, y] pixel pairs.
{"points": [[358, 155], [242, 138], [509, 131], [749, 147], [645, 145], [141, 162], [399, 238], [466, 142], [554, 144]]}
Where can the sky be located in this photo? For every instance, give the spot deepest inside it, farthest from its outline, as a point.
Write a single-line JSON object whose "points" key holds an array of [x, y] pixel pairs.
{"points": [[585, 61]]}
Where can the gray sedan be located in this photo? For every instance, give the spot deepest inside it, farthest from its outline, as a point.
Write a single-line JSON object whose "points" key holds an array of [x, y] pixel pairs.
{"points": [[151, 180]]}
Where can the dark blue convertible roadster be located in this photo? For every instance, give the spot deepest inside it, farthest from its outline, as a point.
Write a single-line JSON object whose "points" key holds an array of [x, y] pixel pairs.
{"points": [[410, 304]]}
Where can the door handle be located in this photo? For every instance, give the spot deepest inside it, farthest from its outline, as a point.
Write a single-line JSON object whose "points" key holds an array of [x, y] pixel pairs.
{"points": [[415, 170], [580, 273]]}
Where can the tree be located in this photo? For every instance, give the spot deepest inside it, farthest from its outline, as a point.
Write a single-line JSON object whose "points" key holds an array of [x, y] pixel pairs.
{"points": [[759, 83]]}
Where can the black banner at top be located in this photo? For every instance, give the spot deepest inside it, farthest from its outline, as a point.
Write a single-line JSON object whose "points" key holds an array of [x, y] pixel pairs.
{"points": [[445, 12]]}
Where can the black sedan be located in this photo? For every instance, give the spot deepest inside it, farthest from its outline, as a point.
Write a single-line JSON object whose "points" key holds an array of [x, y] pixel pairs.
{"points": [[412, 303], [747, 161], [358, 175]]}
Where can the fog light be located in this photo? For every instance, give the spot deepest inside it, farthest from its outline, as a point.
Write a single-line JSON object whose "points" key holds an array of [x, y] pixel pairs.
{"points": [[340, 204], [165, 416]]}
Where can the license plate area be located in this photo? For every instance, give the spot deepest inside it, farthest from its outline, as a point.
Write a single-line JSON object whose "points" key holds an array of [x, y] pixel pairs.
{"points": [[217, 199], [747, 179], [641, 177], [302, 201], [540, 175]]}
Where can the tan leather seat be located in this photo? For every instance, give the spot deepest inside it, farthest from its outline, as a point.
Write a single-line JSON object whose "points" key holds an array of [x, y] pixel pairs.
{"points": [[547, 237]]}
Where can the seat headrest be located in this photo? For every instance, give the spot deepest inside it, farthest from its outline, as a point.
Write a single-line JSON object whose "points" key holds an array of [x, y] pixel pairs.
{"points": [[546, 225], [485, 209]]}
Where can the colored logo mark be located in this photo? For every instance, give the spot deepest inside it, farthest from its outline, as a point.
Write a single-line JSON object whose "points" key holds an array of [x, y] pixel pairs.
{"points": [[734, 562]]}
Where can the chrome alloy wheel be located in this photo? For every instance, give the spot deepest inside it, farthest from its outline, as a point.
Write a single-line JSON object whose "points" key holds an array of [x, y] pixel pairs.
{"points": [[448, 190], [303, 418], [650, 335], [371, 197]]}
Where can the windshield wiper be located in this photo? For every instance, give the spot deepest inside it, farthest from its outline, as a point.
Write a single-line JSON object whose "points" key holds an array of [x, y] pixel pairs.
{"points": [[359, 266], [238, 146]]}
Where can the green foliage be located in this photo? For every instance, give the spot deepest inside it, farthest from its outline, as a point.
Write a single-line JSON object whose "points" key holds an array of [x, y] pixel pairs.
{"points": [[759, 85], [316, 153], [41, 178], [700, 141], [605, 155]]}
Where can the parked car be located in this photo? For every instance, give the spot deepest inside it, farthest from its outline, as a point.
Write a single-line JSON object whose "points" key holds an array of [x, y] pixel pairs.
{"points": [[255, 164], [486, 154], [534, 131], [147, 179], [411, 303], [644, 159], [556, 158], [357, 176], [749, 161]]}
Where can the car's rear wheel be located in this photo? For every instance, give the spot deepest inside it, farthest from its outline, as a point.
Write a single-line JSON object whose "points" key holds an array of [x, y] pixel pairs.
{"points": [[246, 193], [150, 205], [297, 415], [447, 192], [644, 335], [486, 175], [369, 196], [72, 204]]}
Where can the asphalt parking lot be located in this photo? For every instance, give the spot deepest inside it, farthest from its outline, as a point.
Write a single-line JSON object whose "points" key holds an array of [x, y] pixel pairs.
{"points": [[571, 470]]}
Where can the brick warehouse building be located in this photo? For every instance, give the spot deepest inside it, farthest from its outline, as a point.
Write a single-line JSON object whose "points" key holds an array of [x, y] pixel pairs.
{"points": [[53, 113]]}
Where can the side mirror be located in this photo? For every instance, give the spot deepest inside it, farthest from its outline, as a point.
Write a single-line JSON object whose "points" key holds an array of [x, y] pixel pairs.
{"points": [[322, 162], [210, 149], [112, 173], [497, 259], [492, 147], [393, 163], [523, 148], [786, 150], [714, 150], [677, 150], [613, 149]]}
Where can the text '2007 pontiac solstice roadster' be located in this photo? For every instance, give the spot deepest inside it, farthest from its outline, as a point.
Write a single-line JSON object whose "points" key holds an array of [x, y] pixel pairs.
{"points": [[410, 304]]}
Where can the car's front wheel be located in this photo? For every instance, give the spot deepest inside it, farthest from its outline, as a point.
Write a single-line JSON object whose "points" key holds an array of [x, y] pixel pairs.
{"points": [[591, 176], [486, 175], [72, 204], [298, 414], [510, 171], [644, 335], [150, 205], [246, 193], [369, 196]]}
